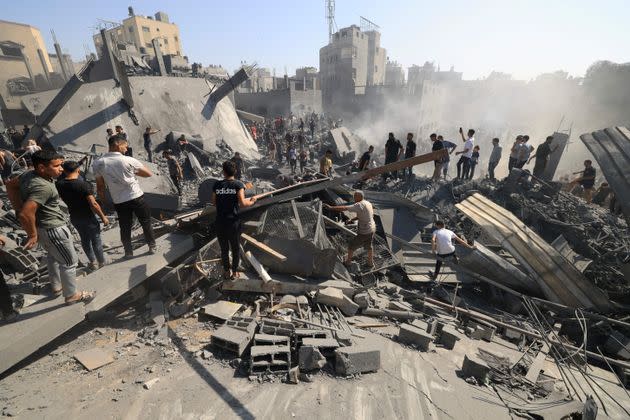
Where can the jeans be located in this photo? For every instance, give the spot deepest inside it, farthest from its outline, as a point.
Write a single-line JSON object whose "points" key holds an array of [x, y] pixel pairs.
{"points": [[471, 170], [491, 167], [440, 260], [90, 233], [293, 164], [125, 213], [147, 147], [6, 306], [465, 162], [436, 170], [520, 164], [228, 233], [445, 167], [62, 259], [512, 163]]}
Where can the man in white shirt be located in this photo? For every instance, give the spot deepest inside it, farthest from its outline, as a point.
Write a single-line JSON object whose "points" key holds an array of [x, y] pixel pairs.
{"points": [[118, 173], [469, 144], [366, 229], [524, 152], [442, 246]]}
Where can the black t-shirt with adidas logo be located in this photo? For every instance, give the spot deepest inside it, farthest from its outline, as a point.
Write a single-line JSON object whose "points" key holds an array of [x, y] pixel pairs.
{"points": [[227, 199]]}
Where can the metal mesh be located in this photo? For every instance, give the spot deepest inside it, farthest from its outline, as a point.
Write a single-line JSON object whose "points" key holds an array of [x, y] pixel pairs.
{"points": [[383, 258], [280, 220]]}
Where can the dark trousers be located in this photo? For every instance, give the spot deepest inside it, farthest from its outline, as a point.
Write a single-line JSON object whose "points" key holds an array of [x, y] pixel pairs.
{"points": [[178, 184], [471, 170], [440, 261], [90, 233], [149, 152], [512, 163], [491, 167], [393, 174], [463, 164], [293, 164], [539, 168], [228, 234], [5, 297], [125, 213], [302, 165], [520, 164]]}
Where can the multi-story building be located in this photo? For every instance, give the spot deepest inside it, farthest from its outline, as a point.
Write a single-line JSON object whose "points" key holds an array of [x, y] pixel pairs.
{"points": [[351, 61], [141, 31], [394, 74]]}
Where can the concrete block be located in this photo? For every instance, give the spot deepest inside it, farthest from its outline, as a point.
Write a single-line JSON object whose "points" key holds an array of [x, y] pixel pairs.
{"points": [[434, 326], [231, 339], [243, 323], [475, 367], [321, 343], [362, 299], [310, 358], [400, 306], [335, 297], [302, 333], [482, 332], [270, 359], [409, 334], [421, 324], [449, 337], [618, 344], [222, 310], [357, 359], [269, 339], [511, 334], [277, 327]]}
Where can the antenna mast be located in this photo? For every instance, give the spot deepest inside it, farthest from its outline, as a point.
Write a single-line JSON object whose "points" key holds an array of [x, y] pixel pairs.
{"points": [[330, 16]]}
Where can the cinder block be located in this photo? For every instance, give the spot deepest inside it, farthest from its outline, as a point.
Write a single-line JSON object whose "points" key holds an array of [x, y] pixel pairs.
{"points": [[270, 359], [409, 334], [335, 297], [302, 333], [475, 367], [277, 327], [357, 359], [362, 299], [449, 337], [482, 332], [231, 339], [511, 334], [310, 358], [269, 339], [244, 323]]}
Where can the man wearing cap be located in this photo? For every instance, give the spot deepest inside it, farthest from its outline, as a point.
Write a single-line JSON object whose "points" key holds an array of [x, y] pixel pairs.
{"points": [[366, 229], [82, 206]]}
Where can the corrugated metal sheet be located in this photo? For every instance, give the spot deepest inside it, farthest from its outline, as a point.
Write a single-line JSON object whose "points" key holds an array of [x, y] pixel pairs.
{"points": [[558, 279], [611, 149]]}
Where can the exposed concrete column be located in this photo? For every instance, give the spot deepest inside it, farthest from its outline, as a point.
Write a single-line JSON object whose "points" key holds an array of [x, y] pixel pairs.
{"points": [[62, 63], [27, 63], [108, 55], [42, 58], [159, 57]]}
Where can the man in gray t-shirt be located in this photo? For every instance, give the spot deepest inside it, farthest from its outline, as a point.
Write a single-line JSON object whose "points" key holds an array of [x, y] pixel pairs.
{"points": [[366, 228], [36, 201]]}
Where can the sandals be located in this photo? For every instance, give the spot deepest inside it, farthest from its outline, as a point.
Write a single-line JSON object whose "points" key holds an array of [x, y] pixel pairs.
{"points": [[235, 275], [85, 297], [57, 293]]}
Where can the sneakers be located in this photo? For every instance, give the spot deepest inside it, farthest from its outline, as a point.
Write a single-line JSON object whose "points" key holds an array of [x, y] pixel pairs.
{"points": [[93, 266], [152, 250], [128, 256], [11, 316]]}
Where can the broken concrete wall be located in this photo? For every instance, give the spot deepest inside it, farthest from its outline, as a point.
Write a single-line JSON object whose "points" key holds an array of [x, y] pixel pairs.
{"points": [[165, 103]]}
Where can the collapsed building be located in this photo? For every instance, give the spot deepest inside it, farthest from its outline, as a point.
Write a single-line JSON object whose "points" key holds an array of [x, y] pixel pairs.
{"points": [[536, 313]]}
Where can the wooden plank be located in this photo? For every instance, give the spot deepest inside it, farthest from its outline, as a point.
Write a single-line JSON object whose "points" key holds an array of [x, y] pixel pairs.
{"points": [[297, 219], [44, 321], [263, 247]]}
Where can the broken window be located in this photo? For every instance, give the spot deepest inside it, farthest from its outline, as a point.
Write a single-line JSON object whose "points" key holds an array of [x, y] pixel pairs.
{"points": [[176, 40], [146, 29], [130, 29], [165, 41], [354, 73], [148, 45], [375, 69], [344, 34]]}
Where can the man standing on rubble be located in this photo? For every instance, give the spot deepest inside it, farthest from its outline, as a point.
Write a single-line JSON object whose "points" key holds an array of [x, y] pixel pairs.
{"points": [[118, 173], [463, 165], [495, 157], [446, 160], [516, 147], [587, 180], [442, 246], [364, 163], [36, 201], [524, 152], [393, 151], [410, 151], [365, 230], [542, 156], [148, 143], [435, 146], [175, 171], [311, 126], [240, 165], [326, 164], [228, 195], [79, 197]]}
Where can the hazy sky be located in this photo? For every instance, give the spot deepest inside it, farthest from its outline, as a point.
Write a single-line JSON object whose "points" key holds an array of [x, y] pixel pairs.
{"points": [[521, 37]]}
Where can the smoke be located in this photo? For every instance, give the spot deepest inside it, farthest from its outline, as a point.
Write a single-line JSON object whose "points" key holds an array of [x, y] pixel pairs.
{"points": [[499, 107]]}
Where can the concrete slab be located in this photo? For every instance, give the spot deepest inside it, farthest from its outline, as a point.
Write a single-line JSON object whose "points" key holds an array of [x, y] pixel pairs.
{"points": [[94, 358], [357, 359], [222, 309]]}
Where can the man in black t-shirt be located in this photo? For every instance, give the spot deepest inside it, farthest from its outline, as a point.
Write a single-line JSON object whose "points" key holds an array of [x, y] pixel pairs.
{"points": [[227, 196], [587, 180], [542, 156], [410, 151], [148, 143], [393, 151], [364, 163], [437, 145], [79, 197]]}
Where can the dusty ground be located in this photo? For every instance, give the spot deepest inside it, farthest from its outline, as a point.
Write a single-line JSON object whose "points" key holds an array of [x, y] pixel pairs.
{"points": [[411, 384]]}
